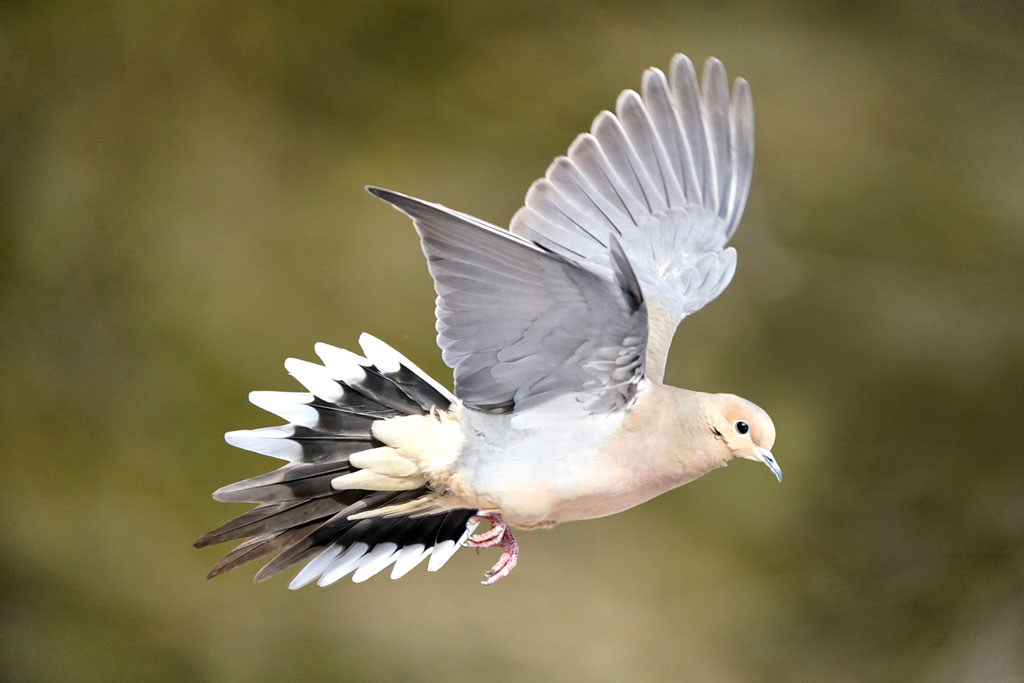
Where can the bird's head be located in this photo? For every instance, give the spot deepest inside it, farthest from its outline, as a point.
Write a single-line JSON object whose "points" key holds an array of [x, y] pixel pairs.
{"points": [[744, 430]]}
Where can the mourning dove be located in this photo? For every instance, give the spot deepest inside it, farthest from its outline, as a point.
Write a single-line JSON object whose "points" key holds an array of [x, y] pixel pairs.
{"points": [[557, 330]]}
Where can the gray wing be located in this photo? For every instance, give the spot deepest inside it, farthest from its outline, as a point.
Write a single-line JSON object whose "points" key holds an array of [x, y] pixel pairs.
{"points": [[668, 176], [525, 328]]}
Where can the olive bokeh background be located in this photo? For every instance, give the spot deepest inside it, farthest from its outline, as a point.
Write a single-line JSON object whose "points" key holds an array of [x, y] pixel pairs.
{"points": [[181, 207]]}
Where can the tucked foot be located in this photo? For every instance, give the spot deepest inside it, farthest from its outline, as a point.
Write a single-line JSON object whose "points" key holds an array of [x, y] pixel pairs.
{"points": [[489, 538], [498, 535]]}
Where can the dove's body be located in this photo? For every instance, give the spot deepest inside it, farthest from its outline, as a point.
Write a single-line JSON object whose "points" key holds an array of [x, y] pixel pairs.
{"points": [[597, 466], [557, 330]]}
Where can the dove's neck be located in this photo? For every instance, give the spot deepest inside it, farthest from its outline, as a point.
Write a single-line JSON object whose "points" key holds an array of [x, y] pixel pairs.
{"points": [[661, 328], [668, 437], [665, 441]]}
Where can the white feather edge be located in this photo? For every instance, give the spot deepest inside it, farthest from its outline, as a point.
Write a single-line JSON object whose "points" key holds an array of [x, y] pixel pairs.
{"points": [[342, 364], [408, 558], [344, 564], [316, 566], [444, 550], [336, 562], [271, 441], [288, 405], [315, 378], [375, 561]]}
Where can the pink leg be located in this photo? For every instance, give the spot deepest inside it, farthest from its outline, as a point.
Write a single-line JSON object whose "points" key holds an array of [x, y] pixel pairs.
{"points": [[498, 534]]}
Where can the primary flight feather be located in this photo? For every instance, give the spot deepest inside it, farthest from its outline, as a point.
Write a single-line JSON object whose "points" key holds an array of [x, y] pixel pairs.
{"points": [[557, 331]]}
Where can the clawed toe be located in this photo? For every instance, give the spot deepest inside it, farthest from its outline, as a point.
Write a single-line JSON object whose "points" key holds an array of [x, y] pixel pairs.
{"points": [[489, 538], [498, 535], [504, 566]]}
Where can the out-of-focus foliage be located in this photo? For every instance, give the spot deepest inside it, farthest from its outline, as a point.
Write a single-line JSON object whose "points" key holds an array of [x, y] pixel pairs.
{"points": [[181, 207]]}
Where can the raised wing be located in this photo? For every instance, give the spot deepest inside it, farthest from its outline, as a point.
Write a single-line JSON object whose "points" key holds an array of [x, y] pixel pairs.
{"points": [[668, 176], [525, 328]]}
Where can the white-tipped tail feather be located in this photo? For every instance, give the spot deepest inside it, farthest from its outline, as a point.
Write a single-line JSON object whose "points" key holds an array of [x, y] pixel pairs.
{"points": [[271, 441], [315, 378], [292, 406], [409, 558]]}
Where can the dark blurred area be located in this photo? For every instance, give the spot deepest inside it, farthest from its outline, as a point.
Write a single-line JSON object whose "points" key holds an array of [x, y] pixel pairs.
{"points": [[182, 207]]}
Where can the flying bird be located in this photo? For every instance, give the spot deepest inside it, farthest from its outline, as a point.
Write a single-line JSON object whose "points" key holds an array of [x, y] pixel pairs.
{"points": [[557, 331]]}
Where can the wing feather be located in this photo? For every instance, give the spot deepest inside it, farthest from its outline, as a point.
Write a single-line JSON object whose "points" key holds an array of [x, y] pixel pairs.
{"points": [[524, 326], [668, 174]]}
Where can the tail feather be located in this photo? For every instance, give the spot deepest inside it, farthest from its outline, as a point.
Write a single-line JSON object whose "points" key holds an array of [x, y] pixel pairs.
{"points": [[354, 542], [331, 393], [357, 372], [306, 411], [415, 383], [326, 534], [296, 443], [299, 515], [291, 482], [260, 546], [275, 517]]}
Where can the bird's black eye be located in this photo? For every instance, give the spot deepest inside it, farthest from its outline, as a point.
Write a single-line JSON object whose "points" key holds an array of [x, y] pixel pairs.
{"points": [[742, 427]]}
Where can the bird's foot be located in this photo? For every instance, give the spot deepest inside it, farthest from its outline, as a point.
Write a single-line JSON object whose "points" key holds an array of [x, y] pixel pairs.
{"points": [[498, 534], [506, 563], [491, 537]]}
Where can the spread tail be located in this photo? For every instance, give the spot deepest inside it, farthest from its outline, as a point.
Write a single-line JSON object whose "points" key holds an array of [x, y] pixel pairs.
{"points": [[300, 515]]}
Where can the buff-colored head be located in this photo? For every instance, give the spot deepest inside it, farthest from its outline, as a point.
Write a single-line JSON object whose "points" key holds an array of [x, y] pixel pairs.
{"points": [[743, 430]]}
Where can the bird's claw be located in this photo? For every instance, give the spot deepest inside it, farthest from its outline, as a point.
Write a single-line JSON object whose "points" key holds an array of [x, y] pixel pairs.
{"points": [[491, 537], [498, 535]]}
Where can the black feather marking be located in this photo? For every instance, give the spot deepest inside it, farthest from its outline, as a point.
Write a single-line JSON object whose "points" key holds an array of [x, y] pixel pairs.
{"points": [[385, 392], [323, 447], [354, 403], [340, 423], [291, 482], [413, 386], [451, 525]]}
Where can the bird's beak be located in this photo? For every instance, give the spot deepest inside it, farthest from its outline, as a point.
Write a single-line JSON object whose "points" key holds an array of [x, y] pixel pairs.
{"points": [[768, 459]]}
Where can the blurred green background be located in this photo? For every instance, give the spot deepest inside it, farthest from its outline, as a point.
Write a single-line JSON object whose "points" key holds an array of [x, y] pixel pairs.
{"points": [[181, 207]]}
